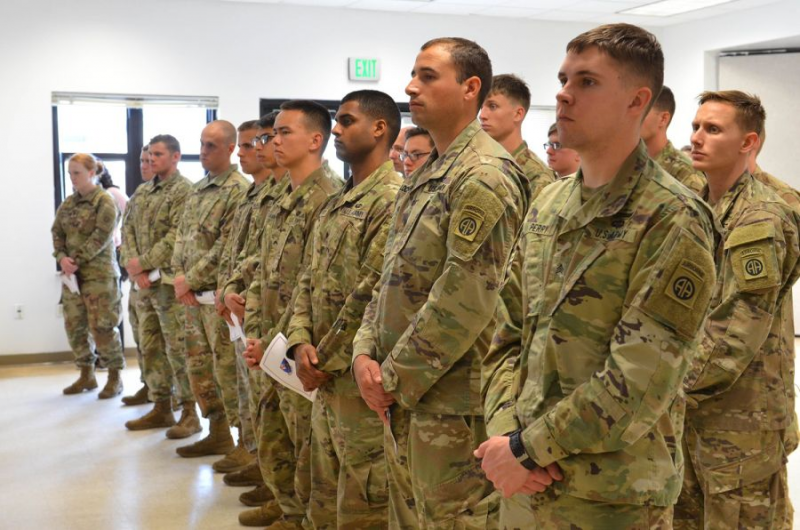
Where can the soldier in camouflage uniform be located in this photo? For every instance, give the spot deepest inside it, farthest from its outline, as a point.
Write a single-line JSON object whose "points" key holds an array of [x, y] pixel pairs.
{"points": [[247, 233], [344, 259], [82, 242], [140, 397], [202, 235], [418, 352], [582, 383], [302, 130], [660, 149], [502, 115], [740, 395], [562, 160], [148, 243]]}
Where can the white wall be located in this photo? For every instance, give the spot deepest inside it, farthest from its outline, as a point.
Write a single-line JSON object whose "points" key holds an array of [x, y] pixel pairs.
{"points": [[691, 52], [238, 52]]}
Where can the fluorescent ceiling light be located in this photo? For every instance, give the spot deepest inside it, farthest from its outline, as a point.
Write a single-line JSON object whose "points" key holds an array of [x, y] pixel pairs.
{"points": [[668, 8]]}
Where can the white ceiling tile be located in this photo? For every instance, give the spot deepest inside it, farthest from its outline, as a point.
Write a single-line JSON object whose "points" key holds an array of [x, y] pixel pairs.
{"points": [[436, 8], [467, 3], [319, 3], [565, 16], [536, 4], [511, 12], [632, 19], [386, 5], [595, 6]]}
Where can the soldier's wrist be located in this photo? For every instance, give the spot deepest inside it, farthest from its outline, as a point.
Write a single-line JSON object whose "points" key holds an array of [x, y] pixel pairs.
{"points": [[519, 452]]}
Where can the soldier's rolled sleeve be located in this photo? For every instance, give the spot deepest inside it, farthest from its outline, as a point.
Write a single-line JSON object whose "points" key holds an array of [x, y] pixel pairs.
{"points": [[207, 266], [462, 300], [160, 255], [498, 370], [648, 354], [333, 346], [100, 238]]}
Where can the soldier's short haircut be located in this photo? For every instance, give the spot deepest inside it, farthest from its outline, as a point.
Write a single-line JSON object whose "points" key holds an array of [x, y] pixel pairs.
{"points": [[88, 161], [317, 117], [169, 141], [267, 121], [750, 114], [665, 102], [378, 106], [469, 59], [419, 131], [635, 49], [227, 129], [249, 125], [146, 148], [552, 130], [513, 88]]}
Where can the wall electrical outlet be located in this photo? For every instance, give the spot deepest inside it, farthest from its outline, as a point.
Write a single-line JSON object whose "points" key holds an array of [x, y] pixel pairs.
{"points": [[19, 311]]}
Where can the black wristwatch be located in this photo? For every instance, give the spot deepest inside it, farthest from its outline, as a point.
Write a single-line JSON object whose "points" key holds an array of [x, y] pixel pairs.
{"points": [[519, 452]]}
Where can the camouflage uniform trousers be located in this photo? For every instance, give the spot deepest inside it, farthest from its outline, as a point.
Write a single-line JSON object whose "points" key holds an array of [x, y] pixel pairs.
{"points": [[435, 482], [284, 432], [733, 495], [202, 331], [133, 318], [348, 471], [225, 372], [244, 402], [161, 340], [516, 513], [91, 319], [565, 512]]}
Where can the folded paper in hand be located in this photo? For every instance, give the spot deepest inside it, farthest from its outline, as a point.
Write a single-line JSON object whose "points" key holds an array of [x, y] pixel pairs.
{"points": [[71, 282], [153, 276], [281, 369], [236, 330], [205, 297]]}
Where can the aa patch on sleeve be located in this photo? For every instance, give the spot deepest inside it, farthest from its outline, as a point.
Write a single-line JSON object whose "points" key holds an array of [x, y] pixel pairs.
{"points": [[751, 251], [682, 286], [470, 221]]}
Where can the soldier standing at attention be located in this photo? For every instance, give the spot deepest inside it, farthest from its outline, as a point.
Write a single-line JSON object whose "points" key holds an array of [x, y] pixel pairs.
{"points": [[740, 419], [234, 292], [148, 243], [617, 270], [417, 355], [502, 115], [82, 241], [140, 396], [202, 235], [302, 130], [397, 149], [418, 148], [660, 149], [344, 259]]}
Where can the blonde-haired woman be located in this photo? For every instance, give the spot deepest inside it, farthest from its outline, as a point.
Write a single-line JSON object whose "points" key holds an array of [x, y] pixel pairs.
{"points": [[82, 239]]}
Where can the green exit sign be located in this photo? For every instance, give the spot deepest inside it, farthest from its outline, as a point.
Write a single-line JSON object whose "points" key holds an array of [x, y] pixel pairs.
{"points": [[364, 69]]}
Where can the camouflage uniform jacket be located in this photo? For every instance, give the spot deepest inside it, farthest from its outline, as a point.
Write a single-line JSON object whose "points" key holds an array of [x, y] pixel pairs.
{"points": [[614, 292], [431, 316], [150, 228], [679, 166], [290, 220], [742, 377], [205, 226], [790, 195], [344, 266], [537, 174], [244, 236], [83, 230]]}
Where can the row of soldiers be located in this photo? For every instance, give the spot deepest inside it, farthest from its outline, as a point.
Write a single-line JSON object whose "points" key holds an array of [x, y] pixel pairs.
{"points": [[491, 346]]}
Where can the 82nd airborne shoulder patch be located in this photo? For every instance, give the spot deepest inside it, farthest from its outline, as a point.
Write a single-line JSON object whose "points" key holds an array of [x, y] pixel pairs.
{"points": [[469, 222]]}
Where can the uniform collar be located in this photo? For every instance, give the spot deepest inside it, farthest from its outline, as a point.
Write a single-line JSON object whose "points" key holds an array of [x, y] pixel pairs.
{"points": [[217, 180], [294, 196], [91, 196], [612, 197], [437, 166], [353, 194], [158, 182], [723, 208], [519, 150]]}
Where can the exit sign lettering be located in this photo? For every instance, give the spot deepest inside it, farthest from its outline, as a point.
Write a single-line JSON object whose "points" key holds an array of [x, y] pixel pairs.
{"points": [[364, 69]]}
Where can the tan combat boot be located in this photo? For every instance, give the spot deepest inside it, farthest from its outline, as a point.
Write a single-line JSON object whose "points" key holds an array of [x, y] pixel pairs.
{"points": [[237, 459], [86, 381], [249, 476], [160, 417], [188, 425], [266, 514], [113, 385], [218, 442], [139, 398], [257, 496]]}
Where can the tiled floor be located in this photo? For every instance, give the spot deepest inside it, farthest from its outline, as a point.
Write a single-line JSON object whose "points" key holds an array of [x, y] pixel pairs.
{"points": [[68, 463]]}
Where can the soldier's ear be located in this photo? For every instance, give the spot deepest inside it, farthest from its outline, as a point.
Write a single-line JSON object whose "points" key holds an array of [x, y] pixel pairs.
{"points": [[750, 142], [379, 128]]}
